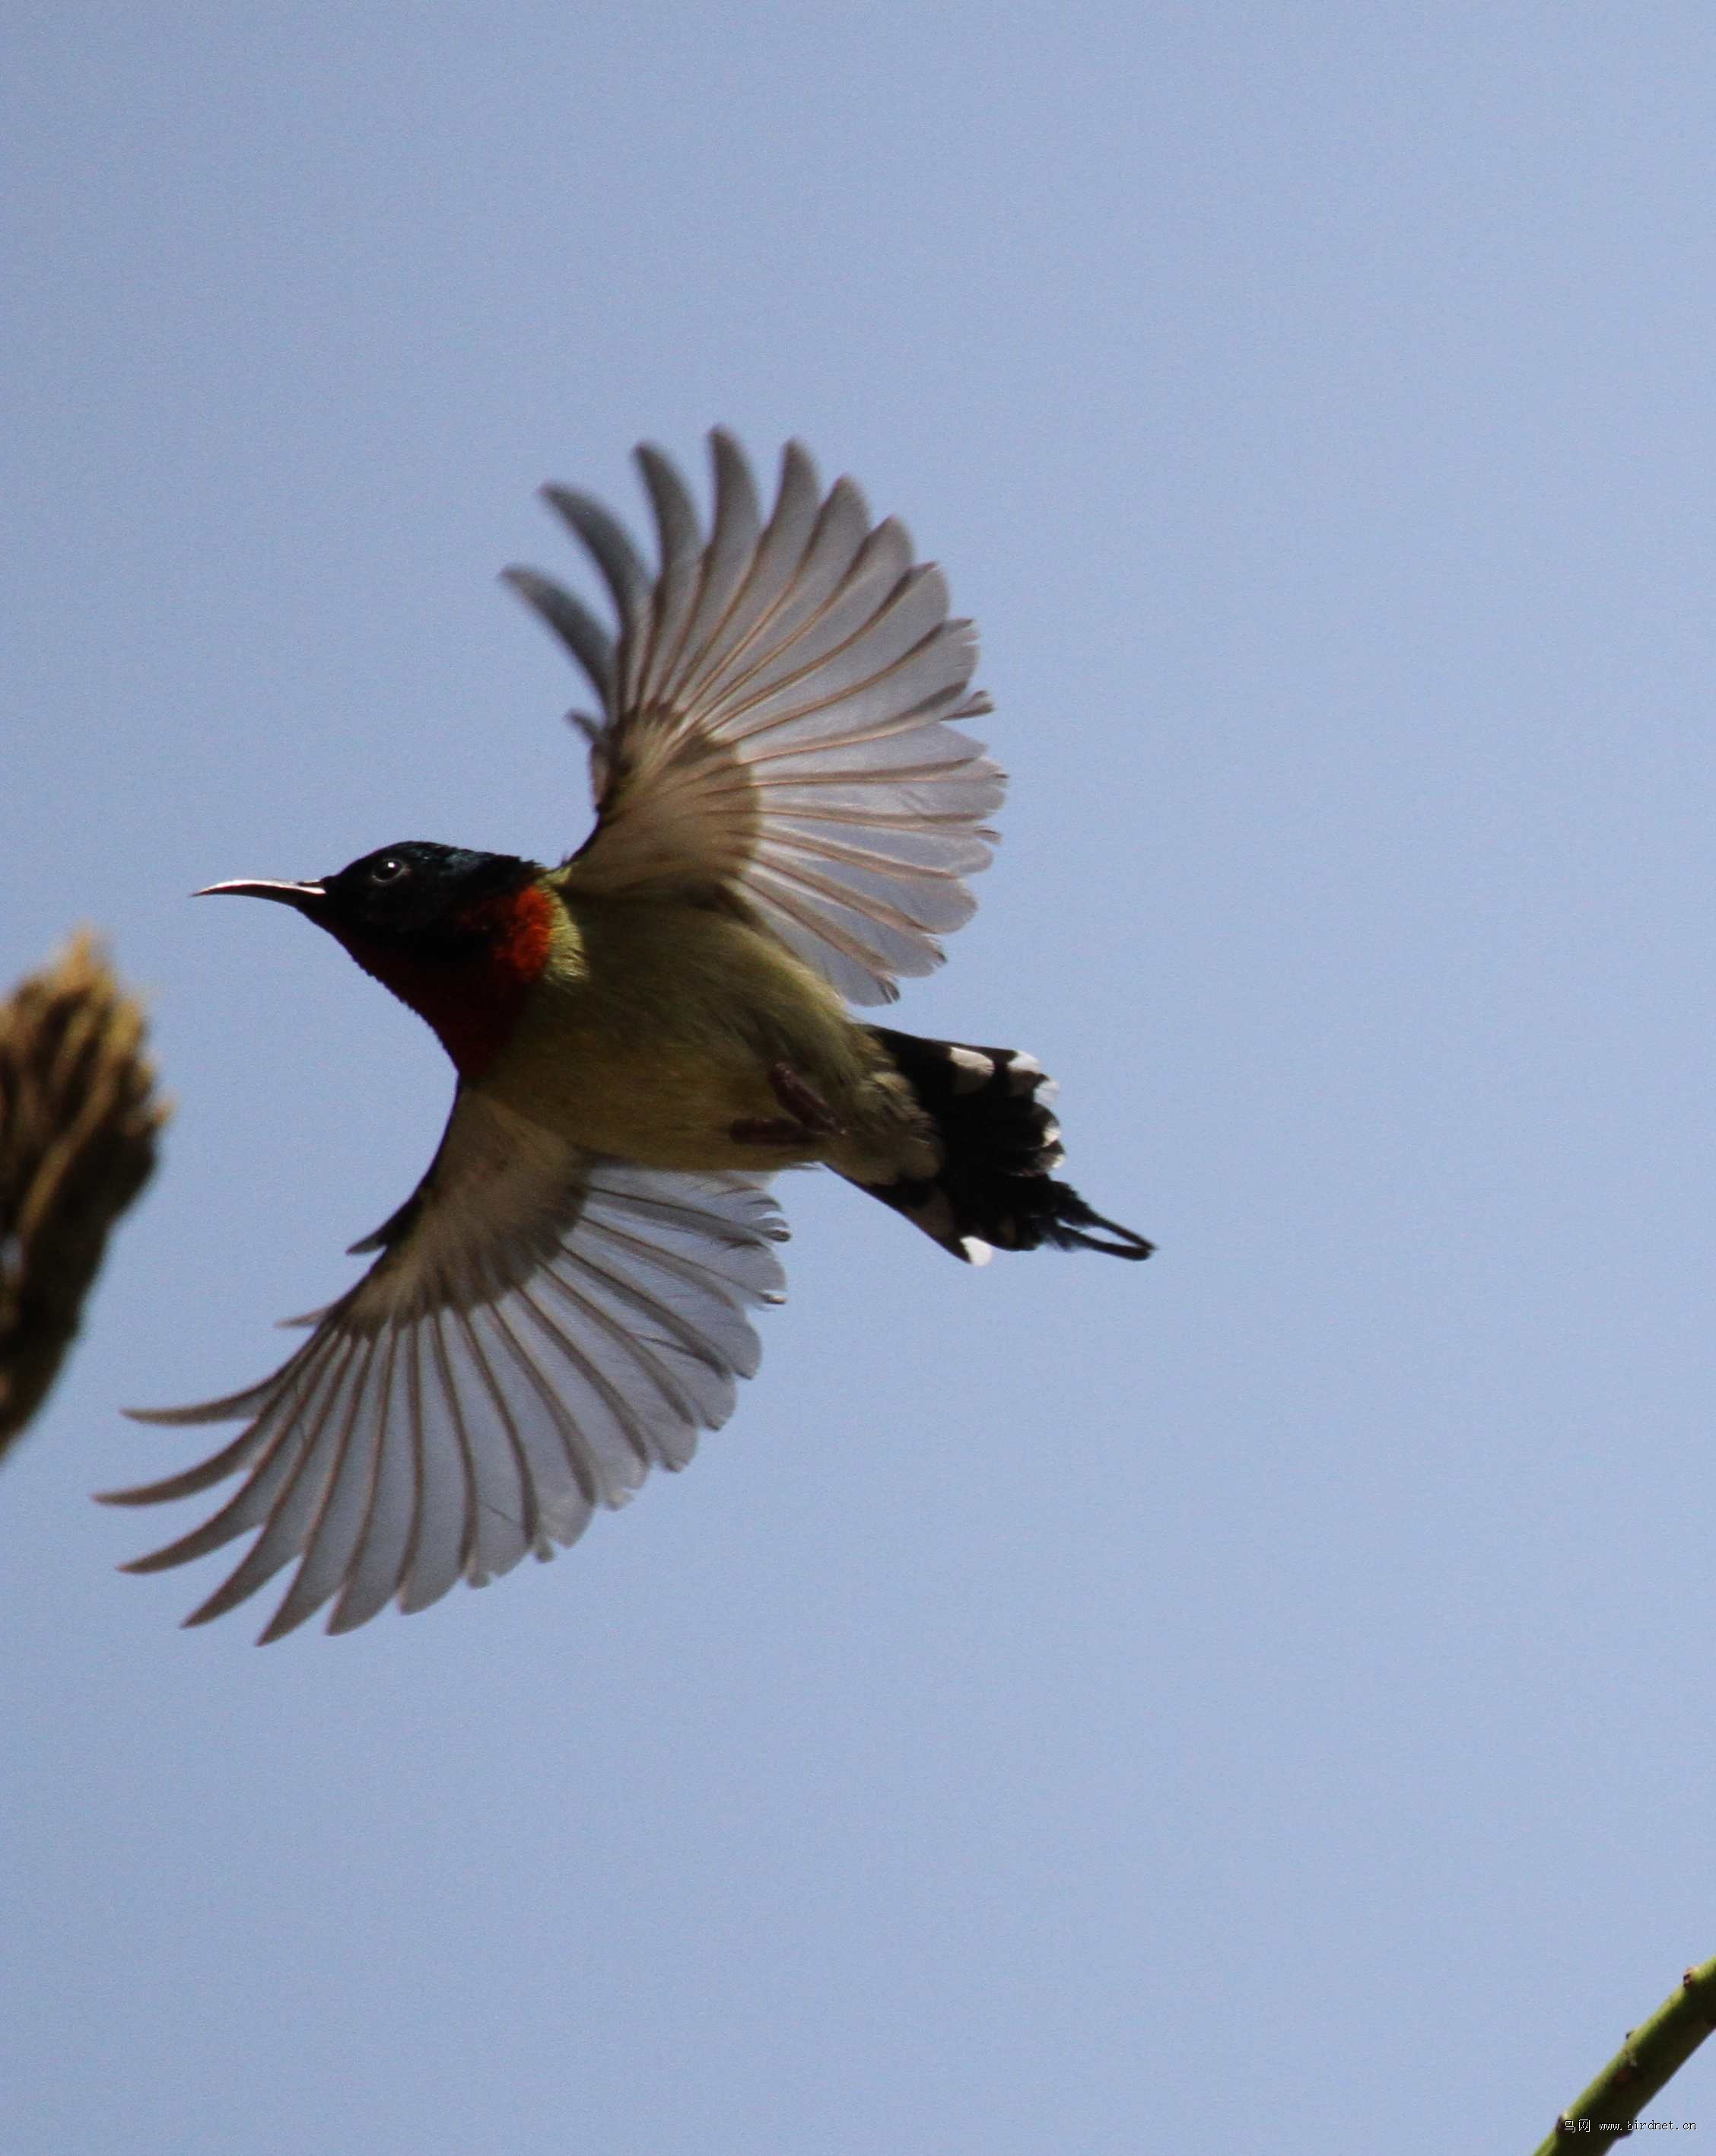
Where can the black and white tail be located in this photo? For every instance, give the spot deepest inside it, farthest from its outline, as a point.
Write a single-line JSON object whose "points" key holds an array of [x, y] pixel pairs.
{"points": [[994, 1189]]}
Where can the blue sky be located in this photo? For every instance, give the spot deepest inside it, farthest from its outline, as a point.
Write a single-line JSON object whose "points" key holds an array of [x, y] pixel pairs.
{"points": [[1259, 1695]]}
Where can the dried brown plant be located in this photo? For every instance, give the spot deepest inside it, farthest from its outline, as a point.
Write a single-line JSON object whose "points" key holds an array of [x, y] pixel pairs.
{"points": [[78, 1122]]}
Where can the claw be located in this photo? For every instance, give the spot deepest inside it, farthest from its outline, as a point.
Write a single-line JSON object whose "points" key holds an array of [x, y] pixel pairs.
{"points": [[809, 1120], [802, 1100]]}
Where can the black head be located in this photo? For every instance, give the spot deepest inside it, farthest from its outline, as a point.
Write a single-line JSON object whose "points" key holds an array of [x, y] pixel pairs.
{"points": [[418, 894]]}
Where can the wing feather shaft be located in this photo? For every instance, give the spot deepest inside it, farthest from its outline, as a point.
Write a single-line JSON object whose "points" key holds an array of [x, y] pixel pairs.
{"points": [[544, 1325], [804, 667]]}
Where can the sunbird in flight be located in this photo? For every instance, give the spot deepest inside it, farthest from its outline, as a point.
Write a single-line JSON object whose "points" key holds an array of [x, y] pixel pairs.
{"points": [[785, 814]]}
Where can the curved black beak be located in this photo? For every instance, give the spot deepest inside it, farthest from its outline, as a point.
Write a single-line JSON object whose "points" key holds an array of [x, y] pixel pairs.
{"points": [[305, 897]]}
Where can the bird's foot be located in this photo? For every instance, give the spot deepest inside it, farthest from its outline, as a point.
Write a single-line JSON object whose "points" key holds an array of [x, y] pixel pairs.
{"points": [[770, 1131], [803, 1100], [809, 1118]]}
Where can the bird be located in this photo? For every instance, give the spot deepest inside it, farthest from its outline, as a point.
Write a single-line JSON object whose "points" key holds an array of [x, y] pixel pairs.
{"points": [[786, 811]]}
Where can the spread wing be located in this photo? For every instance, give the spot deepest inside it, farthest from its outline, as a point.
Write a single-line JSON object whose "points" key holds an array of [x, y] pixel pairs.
{"points": [[542, 1327], [775, 717]]}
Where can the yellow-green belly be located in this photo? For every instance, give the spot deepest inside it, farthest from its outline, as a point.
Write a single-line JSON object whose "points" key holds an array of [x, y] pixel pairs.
{"points": [[653, 1031]]}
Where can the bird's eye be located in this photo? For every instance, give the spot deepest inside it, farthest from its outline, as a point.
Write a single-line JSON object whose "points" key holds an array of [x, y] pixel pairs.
{"points": [[389, 871]]}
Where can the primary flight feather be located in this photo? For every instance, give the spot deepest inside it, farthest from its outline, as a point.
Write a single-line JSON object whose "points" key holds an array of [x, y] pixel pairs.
{"points": [[785, 816]]}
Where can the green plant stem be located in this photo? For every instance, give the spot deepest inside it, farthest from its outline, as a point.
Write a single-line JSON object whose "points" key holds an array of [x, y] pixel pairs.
{"points": [[1640, 2070]]}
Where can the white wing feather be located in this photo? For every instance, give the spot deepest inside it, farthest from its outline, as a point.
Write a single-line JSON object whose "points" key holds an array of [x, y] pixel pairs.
{"points": [[776, 711], [544, 1325]]}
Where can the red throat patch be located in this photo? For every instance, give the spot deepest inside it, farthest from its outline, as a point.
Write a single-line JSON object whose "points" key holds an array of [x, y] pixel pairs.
{"points": [[472, 1004]]}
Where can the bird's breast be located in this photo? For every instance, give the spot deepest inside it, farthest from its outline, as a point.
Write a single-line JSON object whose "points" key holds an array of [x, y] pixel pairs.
{"points": [[653, 1028]]}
